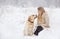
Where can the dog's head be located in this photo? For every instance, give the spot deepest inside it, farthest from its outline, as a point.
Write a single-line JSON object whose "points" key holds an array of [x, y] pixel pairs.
{"points": [[31, 18]]}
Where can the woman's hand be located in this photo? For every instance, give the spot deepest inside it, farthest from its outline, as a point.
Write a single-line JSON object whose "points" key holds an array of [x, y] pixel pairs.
{"points": [[45, 25]]}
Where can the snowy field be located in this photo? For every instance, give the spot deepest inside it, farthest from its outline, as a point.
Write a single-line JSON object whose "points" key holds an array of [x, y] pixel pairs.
{"points": [[12, 22]]}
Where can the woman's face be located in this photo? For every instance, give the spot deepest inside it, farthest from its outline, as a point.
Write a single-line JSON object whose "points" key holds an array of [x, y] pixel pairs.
{"points": [[40, 12]]}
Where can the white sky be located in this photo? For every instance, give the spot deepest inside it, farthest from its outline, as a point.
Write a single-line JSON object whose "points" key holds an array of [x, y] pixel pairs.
{"points": [[27, 3]]}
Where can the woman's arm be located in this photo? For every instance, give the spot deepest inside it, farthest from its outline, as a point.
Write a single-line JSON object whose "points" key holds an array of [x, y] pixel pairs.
{"points": [[46, 19]]}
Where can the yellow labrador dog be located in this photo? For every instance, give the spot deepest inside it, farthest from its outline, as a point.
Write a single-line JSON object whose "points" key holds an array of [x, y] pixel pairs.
{"points": [[28, 31]]}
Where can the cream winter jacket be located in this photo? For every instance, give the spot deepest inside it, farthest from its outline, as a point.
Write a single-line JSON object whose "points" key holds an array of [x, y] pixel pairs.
{"points": [[45, 21]]}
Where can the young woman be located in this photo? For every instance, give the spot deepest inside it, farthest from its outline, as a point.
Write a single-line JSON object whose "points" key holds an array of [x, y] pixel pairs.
{"points": [[42, 20]]}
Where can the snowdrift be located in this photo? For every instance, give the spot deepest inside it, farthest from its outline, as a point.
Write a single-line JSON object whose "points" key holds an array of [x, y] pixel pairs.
{"points": [[12, 22]]}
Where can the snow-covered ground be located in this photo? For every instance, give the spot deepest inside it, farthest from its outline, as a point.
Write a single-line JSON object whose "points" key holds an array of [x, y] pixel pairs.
{"points": [[12, 22]]}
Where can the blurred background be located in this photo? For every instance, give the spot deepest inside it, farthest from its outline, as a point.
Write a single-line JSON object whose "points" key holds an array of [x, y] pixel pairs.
{"points": [[34, 3], [14, 13]]}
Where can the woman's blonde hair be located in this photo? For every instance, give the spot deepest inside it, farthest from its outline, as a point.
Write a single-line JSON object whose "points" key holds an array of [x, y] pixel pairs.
{"points": [[41, 9]]}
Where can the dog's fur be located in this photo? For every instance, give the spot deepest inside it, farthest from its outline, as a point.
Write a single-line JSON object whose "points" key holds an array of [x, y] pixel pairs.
{"points": [[29, 25]]}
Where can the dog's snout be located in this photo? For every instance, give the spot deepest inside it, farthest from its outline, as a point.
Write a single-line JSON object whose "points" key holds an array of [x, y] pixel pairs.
{"points": [[35, 16]]}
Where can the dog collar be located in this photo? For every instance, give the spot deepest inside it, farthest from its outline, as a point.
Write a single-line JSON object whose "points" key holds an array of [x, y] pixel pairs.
{"points": [[30, 21]]}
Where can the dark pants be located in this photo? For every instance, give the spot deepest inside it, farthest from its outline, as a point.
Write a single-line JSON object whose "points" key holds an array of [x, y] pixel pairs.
{"points": [[39, 28]]}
